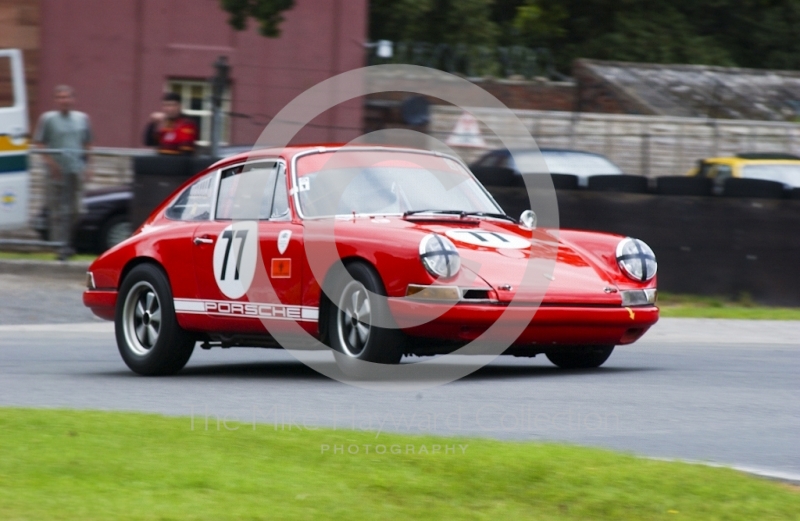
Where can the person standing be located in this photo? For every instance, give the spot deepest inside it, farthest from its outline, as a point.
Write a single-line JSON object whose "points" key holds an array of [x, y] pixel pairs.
{"points": [[67, 134], [169, 130]]}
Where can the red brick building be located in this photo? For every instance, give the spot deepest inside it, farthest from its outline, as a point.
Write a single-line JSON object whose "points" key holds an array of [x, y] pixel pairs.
{"points": [[121, 55]]}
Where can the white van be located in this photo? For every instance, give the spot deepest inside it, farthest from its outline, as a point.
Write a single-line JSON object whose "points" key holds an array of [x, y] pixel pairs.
{"points": [[14, 176]]}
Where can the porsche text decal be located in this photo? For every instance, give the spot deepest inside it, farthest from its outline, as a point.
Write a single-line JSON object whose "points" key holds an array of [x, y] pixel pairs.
{"points": [[258, 310]]}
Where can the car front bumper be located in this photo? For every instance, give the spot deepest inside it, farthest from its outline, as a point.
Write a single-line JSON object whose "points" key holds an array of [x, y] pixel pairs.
{"points": [[525, 325]]}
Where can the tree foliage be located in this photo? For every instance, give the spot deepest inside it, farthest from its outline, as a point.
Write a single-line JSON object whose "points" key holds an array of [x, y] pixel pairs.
{"points": [[268, 14], [745, 33]]}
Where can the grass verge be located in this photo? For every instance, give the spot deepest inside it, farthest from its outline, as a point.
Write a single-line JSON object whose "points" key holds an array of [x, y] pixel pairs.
{"points": [[695, 306], [90, 465], [47, 256]]}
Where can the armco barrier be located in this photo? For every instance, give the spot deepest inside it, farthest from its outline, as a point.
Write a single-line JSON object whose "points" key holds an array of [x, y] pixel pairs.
{"points": [[156, 177], [705, 245]]}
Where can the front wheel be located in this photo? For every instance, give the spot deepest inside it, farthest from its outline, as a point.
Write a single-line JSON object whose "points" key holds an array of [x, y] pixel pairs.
{"points": [[148, 335], [354, 317], [580, 357]]}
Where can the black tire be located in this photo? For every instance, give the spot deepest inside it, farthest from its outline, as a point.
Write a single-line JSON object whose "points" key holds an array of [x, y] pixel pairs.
{"points": [[684, 185], [495, 175], [171, 347], [114, 231], [634, 184], [352, 314], [580, 357], [753, 188]]}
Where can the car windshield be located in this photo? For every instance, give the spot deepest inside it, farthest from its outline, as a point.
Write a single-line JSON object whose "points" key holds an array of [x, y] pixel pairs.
{"points": [[787, 174], [391, 187], [566, 162]]}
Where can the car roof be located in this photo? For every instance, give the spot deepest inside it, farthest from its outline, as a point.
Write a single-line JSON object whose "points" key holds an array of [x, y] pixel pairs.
{"points": [[732, 160], [289, 152]]}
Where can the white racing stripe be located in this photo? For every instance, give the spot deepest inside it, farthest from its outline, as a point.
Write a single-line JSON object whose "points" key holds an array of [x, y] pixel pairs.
{"points": [[255, 310], [81, 327]]}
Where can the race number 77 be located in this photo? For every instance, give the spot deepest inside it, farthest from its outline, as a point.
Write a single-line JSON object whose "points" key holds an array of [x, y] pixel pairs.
{"points": [[229, 235]]}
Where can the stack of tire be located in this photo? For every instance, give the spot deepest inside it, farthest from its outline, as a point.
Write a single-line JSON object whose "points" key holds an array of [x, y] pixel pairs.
{"points": [[156, 177]]}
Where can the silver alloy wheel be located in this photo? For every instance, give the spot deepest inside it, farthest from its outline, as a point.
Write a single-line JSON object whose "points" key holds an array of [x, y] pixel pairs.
{"points": [[141, 318], [118, 233], [354, 318]]}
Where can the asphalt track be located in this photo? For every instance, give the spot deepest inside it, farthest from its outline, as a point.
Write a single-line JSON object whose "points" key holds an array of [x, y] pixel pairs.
{"points": [[724, 392]]}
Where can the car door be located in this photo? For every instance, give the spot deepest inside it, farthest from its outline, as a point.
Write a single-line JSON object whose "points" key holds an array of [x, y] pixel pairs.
{"points": [[248, 258]]}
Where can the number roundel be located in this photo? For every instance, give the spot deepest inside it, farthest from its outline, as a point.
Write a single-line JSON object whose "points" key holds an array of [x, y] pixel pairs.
{"points": [[235, 257]]}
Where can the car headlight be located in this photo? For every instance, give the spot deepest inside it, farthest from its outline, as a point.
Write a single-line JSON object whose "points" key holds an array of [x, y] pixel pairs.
{"points": [[439, 256], [636, 259]]}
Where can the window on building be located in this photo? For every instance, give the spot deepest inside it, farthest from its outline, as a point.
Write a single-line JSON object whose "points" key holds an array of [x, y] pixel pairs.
{"points": [[196, 103]]}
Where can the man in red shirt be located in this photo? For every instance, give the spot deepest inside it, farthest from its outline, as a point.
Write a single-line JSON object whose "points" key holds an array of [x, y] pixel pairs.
{"points": [[169, 130]]}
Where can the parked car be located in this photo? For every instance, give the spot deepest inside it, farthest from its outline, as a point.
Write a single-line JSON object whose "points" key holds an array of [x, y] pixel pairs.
{"points": [[413, 225], [559, 161], [105, 223], [783, 168]]}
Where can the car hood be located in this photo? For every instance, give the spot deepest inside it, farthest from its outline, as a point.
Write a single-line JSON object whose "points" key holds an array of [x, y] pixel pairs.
{"points": [[519, 264]]}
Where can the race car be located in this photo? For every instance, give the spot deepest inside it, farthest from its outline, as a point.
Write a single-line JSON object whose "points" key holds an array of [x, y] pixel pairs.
{"points": [[374, 252]]}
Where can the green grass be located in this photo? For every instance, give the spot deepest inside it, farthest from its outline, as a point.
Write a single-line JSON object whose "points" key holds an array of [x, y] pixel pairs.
{"points": [[89, 465], [10, 255], [695, 306]]}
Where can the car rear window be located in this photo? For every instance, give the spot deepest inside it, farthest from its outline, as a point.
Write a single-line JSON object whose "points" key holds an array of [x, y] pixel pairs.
{"points": [[786, 174], [565, 162], [194, 203]]}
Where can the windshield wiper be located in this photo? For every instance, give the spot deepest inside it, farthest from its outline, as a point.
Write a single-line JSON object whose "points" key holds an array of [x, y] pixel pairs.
{"points": [[463, 213]]}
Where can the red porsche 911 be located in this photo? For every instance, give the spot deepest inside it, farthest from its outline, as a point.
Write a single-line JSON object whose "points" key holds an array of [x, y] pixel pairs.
{"points": [[375, 252]]}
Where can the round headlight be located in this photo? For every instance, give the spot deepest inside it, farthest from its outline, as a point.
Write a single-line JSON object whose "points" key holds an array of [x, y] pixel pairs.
{"points": [[636, 259], [439, 256]]}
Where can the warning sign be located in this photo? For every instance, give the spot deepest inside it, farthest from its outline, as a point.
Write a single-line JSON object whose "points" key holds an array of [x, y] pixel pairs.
{"points": [[281, 268], [466, 133]]}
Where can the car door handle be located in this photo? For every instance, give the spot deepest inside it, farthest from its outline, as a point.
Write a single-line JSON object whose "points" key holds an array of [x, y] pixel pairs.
{"points": [[203, 240]]}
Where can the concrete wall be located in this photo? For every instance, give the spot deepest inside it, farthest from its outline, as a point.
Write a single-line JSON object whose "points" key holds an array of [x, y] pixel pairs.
{"points": [[646, 145], [119, 54]]}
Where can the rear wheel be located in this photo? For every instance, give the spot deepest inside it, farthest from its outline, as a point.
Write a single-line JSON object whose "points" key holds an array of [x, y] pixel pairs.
{"points": [[580, 357], [148, 335], [354, 317]]}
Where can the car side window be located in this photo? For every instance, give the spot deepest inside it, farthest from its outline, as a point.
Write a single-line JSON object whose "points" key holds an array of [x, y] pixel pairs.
{"points": [[721, 172], [280, 205], [246, 192], [703, 169], [194, 203]]}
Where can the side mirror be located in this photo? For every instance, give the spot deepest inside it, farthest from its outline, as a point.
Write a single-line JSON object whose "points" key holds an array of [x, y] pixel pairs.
{"points": [[528, 219]]}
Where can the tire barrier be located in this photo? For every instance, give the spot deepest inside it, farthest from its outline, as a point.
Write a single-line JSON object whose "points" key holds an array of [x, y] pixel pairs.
{"points": [[683, 185], [156, 177], [635, 184], [760, 188], [716, 246], [564, 181], [495, 176]]}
